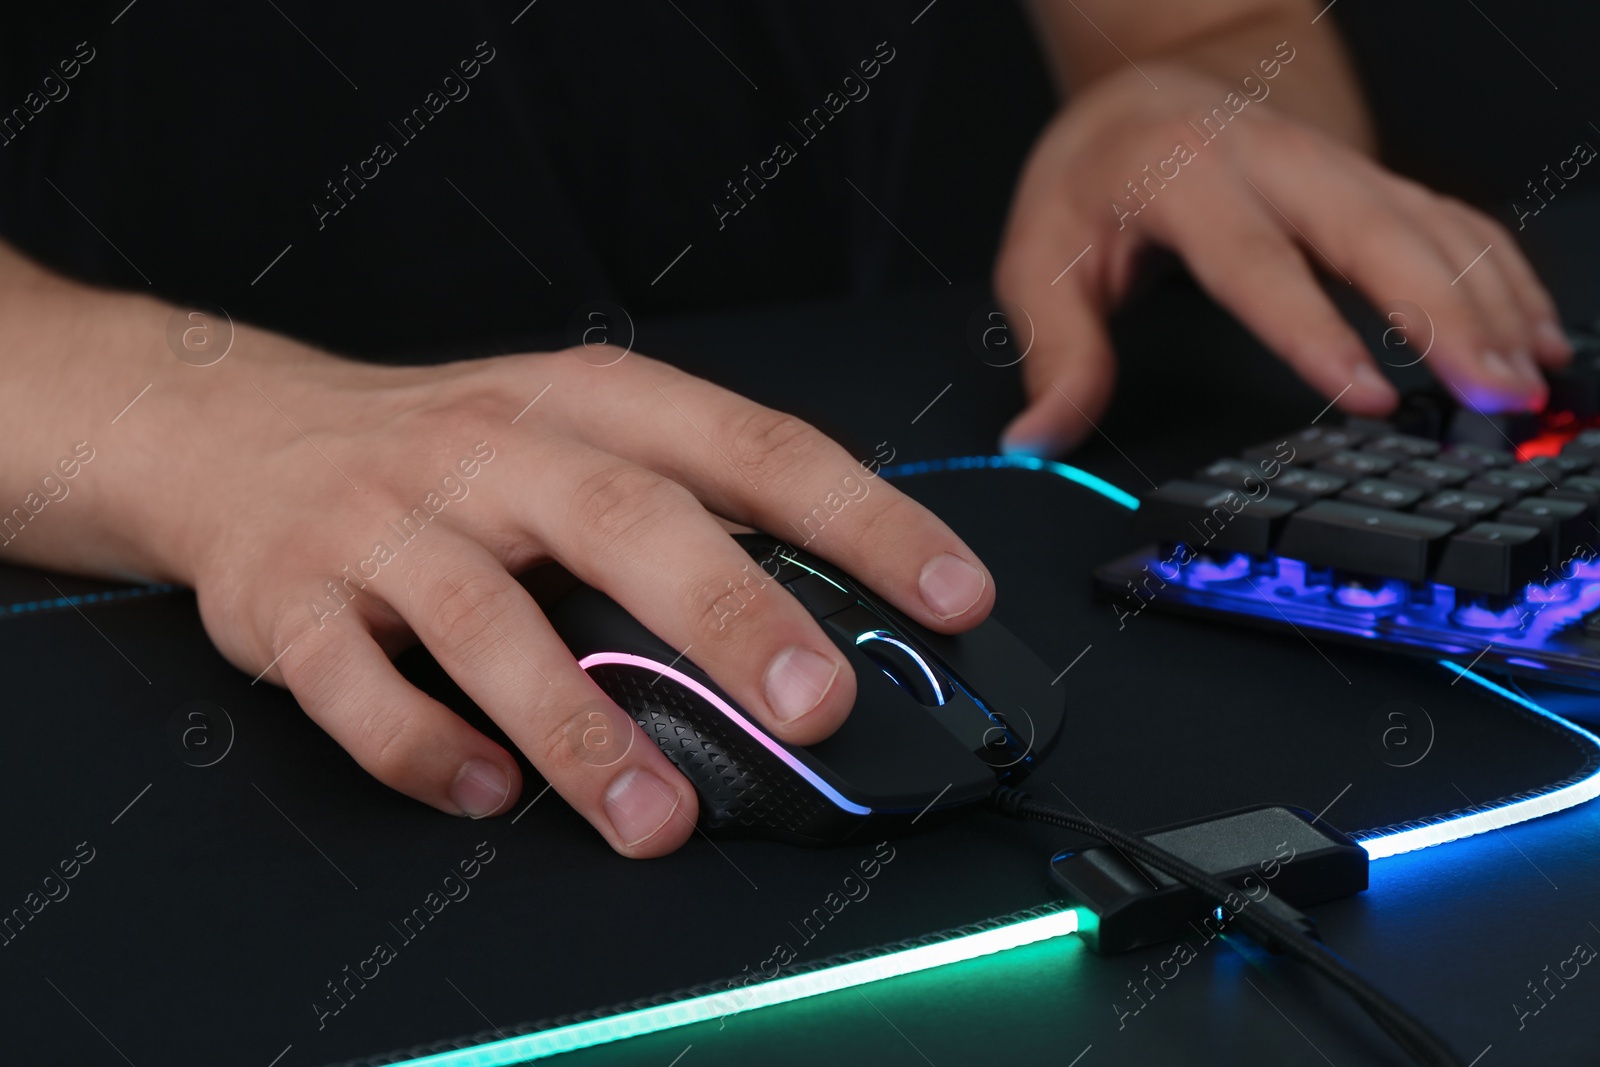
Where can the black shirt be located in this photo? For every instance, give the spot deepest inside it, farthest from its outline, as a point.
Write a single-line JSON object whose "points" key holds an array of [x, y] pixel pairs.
{"points": [[386, 179]]}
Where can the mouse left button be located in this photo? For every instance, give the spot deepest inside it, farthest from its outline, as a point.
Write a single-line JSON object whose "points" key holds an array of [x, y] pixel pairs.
{"points": [[774, 557], [820, 596]]}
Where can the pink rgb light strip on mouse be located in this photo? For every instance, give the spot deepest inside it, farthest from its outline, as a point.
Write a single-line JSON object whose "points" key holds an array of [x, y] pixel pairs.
{"points": [[1043, 923], [600, 659]]}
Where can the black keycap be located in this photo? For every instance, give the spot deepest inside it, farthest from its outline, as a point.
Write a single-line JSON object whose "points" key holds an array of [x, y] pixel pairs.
{"points": [[1557, 467], [1576, 387], [1508, 485], [1459, 506], [1586, 443], [1347, 464], [1430, 474], [1233, 473], [1469, 427], [1493, 557], [1578, 487], [1425, 415], [1402, 446], [1305, 486], [1477, 457], [1305, 447], [1569, 525], [1380, 494], [1211, 519], [1367, 428], [1331, 533]]}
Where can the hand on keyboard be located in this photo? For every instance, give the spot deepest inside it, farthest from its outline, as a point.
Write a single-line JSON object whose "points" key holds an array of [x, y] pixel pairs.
{"points": [[1257, 205], [1415, 534]]}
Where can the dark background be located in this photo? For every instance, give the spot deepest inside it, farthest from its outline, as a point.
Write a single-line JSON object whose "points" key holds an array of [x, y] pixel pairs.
{"points": [[598, 137]]}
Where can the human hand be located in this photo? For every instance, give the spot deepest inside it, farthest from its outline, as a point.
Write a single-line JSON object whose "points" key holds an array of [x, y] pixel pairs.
{"points": [[1255, 212], [333, 513]]}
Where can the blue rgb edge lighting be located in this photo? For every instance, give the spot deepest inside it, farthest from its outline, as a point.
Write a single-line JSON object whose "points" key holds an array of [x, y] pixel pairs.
{"points": [[78, 599], [1092, 482], [1421, 618], [1379, 844], [1427, 833]]}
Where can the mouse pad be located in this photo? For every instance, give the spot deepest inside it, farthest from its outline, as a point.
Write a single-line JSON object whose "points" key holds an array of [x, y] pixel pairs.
{"points": [[231, 867]]}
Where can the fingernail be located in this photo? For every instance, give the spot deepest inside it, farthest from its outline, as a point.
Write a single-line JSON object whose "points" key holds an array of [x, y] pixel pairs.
{"points": [[1019, 446], [797, 681], [1535, 391], [638, 804], [1496, 365], [1552, 335], [480, 788], [1370, 380], [1525, 368], [950, 585]]}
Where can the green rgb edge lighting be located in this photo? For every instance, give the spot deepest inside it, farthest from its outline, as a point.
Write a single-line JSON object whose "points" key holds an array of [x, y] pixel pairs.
{"points": [[951, 946], [825, 976]]}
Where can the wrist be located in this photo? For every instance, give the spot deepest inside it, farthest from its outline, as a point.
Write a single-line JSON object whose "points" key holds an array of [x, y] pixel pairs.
{"points": [[182, 459], [1307, 79]]}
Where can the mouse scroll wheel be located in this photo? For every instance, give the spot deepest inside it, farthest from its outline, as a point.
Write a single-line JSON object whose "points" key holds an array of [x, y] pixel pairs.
{"points": [[904, 666]]}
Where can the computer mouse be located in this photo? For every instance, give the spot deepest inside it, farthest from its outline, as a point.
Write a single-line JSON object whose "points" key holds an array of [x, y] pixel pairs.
{"points": [[939, 720]]}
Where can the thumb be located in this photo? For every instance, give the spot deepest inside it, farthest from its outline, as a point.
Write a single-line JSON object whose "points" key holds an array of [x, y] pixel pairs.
{"points": [[1069, 371]]}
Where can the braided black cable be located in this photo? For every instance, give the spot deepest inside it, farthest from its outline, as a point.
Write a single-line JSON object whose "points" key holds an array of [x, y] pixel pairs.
{"points": [[1272, 931]]}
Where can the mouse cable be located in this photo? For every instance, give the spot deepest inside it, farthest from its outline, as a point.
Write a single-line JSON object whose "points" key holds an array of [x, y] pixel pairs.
{"points": [[1271, 930]]}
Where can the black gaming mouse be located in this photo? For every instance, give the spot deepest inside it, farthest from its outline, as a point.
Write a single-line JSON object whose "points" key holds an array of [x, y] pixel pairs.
{"points": [[938, 722]]}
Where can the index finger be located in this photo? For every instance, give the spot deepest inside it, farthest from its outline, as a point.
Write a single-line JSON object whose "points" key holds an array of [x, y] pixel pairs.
{"points": [[770, 470]]}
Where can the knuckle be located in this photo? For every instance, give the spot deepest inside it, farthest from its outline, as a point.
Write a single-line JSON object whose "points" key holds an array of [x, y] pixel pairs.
{"points": [[314, 671], [1507, 325], [579, 732], [1410, 193], [604, 354], [466, 407], [553, 751], [1371, 238], [1464, 327], [1169, 130], [643, 365], [1475, 222], [388, 741], [770, 443], [638, 368], [463, 611], [1255, 260], [482, 407], [1270, 253], [617, 504], [324, 666], [1458, 209], [895, 514], [1496, 232], [714, 601]]}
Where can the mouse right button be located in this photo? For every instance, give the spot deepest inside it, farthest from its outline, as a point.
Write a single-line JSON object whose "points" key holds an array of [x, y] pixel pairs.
{"points": [[1009, 679]]}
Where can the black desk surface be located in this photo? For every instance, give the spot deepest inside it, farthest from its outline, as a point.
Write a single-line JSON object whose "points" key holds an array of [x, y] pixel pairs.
{"points": [[220, 899]]}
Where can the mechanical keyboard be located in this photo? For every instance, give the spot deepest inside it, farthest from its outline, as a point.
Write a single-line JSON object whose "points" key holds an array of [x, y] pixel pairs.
{"points": [[1441, 530]]}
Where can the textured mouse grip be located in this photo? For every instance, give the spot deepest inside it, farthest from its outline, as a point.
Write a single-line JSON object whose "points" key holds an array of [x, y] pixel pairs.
{"points": [[741, 784]]}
